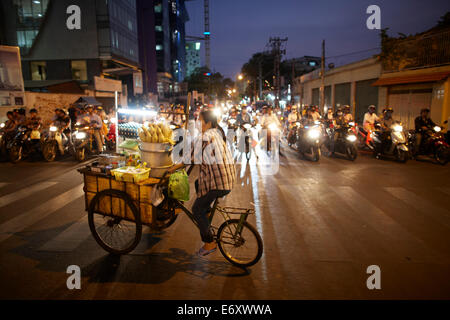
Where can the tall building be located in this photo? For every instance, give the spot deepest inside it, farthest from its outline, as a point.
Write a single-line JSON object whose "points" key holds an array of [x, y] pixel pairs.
{"points": [[105, 46], [170, 19], [192, 57]]}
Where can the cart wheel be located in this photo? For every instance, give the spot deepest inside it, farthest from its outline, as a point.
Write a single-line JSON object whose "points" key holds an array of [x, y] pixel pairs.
{"points": [[114, 234], [244, 248]]}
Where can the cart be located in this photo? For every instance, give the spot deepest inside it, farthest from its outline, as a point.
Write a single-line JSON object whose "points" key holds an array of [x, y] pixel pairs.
{"points": [[118, 210]]}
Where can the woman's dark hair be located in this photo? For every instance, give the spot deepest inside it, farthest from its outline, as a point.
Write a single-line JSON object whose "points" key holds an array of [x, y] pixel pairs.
{"points": [[10, 113], [208, 116]]}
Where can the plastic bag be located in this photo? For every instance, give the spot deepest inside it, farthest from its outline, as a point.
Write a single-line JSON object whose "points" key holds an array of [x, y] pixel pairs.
{"points": [[179, 186], [156, 196]]}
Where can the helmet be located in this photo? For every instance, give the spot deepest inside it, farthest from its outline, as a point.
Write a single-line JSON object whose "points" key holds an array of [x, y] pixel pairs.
{"points": [[346, 107], [371, 107], [425, 110], [388, 109]]}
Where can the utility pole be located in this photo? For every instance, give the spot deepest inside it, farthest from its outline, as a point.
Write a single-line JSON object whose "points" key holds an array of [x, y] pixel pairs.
{"points": [[292, 81], [276, 44], [322, 86], [260, 77], [207, 34]]}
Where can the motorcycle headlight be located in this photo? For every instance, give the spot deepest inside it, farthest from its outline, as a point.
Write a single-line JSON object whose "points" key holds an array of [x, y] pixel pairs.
{"points": [[437, 129], [232, 121], [172, 127], [273, 127], [105, 121], [314, 133], [351, 138], [53, 129], [258, 127], [317, 122], [80, 135], [247, 126], [398, 128], [2, 125], [297, 124], [352, 124]]}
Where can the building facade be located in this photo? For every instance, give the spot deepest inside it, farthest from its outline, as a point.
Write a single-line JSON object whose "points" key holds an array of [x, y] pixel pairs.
{"points": [[346, 85], [105, 46], [192, 57]]}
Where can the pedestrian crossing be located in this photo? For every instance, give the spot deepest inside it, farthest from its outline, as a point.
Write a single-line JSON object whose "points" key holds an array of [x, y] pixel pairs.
{"points": [[24, 193], [316, 231]]}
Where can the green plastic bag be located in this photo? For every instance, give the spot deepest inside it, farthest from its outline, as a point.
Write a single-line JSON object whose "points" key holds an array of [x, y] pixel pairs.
{"points": [[179, 186]]}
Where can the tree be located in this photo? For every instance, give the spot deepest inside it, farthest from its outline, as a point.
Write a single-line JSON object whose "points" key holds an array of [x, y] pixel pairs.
{"points": [[212, 84]]}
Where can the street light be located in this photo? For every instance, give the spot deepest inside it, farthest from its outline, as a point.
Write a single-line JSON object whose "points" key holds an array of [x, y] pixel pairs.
{"points": [[240, 77]]}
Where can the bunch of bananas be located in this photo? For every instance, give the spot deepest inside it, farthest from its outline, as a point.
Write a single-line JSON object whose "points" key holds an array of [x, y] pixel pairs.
{"points": [[156, 133]]}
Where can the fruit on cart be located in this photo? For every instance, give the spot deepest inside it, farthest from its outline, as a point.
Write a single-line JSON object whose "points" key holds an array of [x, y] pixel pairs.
{"points": [[156, 133]]}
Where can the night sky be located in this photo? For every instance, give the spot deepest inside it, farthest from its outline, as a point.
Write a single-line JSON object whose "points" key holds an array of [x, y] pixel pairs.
{"points": [[240, 28]]}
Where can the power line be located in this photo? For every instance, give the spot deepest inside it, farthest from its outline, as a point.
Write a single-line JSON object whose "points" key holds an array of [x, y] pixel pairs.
{"points": [[352, 53]]}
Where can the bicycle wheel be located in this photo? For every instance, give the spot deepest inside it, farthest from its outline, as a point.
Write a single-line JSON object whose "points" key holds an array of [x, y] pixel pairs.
{"points": [[114, 234], [243, 249]]}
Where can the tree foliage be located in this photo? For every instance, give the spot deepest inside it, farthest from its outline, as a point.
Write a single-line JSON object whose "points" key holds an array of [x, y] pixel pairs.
{"points": [[214, 86]]}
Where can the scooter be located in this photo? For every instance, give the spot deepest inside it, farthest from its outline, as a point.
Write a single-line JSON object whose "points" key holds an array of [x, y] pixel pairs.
{"points": [[292, 135], [54, 142], [391, 143], [345, 143], [25, 143], [246, 133], [309, 141], [83, 142], [433, 144]]}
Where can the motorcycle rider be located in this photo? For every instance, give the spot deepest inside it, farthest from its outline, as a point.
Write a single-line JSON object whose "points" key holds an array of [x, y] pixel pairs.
{"points": [[34, 121], [315, 113], [89, 118], [8, 130], [62, 121], [244, 117], [347, 114], [339, 122], [386, 123], [423, 123], [369, 119], [269, 118]]}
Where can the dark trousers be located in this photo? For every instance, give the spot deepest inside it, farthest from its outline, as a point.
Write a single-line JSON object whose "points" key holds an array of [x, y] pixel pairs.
{"points": [[201, 208]]}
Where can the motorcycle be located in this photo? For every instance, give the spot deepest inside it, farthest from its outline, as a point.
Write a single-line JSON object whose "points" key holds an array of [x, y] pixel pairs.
{"points": [[345, 143], [292, 135], [232, 127], [272, 130], [309, 140], [25, 143], [83, 142], [365, 141], [433, 144], [51, 142], [246, 127], [391, 143]]}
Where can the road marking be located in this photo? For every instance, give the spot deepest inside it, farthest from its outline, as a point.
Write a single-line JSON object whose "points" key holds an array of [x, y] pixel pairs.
{"points": [[388, 228], [23, 193], [320, 239], [70, 238], [434, 212], [27, 219]]}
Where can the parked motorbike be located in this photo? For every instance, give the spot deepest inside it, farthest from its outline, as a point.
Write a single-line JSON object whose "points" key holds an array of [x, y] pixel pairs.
{"points": [[51, 142], [433, 144], [309, 140], [344, 144], [25, 143], [391, 143]]}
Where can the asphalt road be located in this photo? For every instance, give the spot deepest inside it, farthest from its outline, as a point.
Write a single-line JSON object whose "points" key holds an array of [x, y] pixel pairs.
{"points": [[322, 224]]}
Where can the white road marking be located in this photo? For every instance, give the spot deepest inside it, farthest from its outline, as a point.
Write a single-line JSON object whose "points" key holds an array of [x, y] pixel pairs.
{"points": [[38, 213], [23, 193], [388, 228], [439, 214], [320, 239], [70, 238]]}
